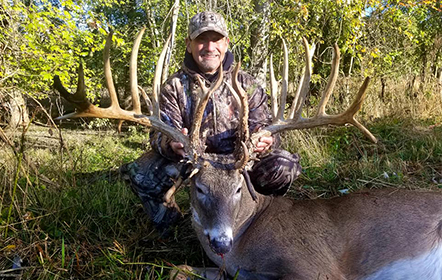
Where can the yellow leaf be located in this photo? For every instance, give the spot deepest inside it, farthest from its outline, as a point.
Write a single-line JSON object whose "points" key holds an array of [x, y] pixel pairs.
{"points": [[8, 248]]}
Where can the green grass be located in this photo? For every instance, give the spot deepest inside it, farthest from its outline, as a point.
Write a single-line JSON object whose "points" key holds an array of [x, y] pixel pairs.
{"points": [[72, 217], [409, 152]]}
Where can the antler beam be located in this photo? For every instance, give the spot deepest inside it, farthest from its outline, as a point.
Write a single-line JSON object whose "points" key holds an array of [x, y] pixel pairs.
{"points": [[114, 111], [321, 118]]}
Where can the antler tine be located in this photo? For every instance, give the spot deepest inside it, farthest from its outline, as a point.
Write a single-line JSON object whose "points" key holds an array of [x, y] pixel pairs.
{"points": [[108, 72], [136, 104], [355, 107], [157, 77], [146, 100], [243, 132], [273, 90], [284, 86], [244, 104], [304, 85], [202, 100], [304, 81], [81, 87], [295, 121], [298, 101], [331, 81], [86, 109], [79, 97]]}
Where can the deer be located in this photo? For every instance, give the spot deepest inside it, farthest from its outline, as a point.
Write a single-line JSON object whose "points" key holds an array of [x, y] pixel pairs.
{"points": [[369, 234]]}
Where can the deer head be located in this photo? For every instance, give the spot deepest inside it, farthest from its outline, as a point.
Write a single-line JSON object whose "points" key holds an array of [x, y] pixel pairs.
{"points": [[218, 185]]}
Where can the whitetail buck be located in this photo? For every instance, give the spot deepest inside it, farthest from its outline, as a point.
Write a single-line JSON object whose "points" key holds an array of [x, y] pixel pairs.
{"points": [[384, 234]]}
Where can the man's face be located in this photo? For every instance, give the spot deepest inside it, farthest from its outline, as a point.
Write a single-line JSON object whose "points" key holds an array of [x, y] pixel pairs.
{"points": [[208, 50]]}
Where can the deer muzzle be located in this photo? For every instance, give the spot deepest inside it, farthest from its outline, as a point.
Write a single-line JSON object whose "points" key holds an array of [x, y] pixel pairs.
{"points": [[221, 244], [220, 239]]}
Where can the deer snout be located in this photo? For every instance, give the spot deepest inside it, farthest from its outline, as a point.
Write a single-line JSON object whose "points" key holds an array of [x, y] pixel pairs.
{"points": [[221, 244], [220, 239]]}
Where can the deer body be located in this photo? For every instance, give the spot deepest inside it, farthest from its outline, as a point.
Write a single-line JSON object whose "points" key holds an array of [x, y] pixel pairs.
{"points": [[389, 234]]}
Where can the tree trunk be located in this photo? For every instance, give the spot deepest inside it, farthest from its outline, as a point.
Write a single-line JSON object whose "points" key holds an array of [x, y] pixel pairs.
{"points": [[258, 41], [17, 108], [440, 83], [175, 9], [410, 88], [383, 85], [152, 25], [423, 72]]}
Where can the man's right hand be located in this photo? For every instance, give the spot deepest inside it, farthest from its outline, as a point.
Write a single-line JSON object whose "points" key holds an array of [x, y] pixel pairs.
{"points": [[178, 147]]}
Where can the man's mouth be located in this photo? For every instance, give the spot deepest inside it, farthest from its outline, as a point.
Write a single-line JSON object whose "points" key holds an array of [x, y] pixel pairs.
{"points": [[210, 56]]}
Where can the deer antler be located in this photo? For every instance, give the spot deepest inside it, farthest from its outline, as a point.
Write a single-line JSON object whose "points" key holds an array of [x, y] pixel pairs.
{"points": [[202, 99], [114, 111], [192, 144], [294, 119], [84, 108]]}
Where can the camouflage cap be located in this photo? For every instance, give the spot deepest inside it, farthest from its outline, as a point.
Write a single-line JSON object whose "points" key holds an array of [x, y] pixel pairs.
{"points": [[206, 21]]}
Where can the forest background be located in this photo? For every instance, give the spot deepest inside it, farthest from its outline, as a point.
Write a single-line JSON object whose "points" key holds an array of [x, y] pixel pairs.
{"points": [[64, 212]]}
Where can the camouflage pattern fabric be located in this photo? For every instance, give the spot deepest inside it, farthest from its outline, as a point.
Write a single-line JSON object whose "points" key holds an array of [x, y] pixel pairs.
{"points": [[150, 177], [274, 173], [206, 21], [220, 119]]}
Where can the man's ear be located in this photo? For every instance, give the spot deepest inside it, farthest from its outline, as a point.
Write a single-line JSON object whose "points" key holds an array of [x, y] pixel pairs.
{"points": [[188, 45]]}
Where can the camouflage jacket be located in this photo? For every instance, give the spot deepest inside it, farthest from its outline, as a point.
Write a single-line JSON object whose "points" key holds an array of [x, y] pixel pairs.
{"points": [[220, 119]]}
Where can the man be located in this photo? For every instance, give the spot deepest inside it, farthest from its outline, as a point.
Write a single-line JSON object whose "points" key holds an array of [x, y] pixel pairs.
{"points": [[206, 47]]}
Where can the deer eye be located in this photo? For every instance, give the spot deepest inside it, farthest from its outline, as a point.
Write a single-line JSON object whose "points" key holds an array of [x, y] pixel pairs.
{"points": [[238, 190], [199, 190]]}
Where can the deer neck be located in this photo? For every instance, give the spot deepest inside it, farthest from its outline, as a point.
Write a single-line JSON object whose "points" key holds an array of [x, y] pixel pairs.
{"points": [[250, 211]]}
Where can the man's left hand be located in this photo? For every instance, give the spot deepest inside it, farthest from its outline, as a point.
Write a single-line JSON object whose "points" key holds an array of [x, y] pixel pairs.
{"points": [[264, 144]]}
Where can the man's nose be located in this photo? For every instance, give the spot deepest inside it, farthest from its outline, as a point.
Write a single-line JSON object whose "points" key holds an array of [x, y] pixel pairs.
{"points": [[210, 46]]}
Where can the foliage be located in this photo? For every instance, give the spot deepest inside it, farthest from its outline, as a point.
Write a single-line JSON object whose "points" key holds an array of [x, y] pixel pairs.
{"points": [[381, 38], [41, 39]]}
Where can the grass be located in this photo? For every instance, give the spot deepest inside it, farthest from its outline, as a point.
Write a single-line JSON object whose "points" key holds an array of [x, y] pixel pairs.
{"points": [[72, 217], [409, 153], [75, 217]]}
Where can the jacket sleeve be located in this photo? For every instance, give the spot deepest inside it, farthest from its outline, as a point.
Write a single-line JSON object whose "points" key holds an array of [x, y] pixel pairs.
{"points": [[170, 114]]}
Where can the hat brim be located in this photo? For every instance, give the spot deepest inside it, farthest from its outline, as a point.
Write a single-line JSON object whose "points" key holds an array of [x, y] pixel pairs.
{"points": [[198, 32]]}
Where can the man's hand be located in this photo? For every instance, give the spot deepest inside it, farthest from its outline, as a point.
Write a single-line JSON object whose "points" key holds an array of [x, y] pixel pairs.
{"points": [[178, 147], [264, 144]]}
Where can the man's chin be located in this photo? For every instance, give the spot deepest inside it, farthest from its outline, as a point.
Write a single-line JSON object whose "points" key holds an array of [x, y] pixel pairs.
{"points": [[209, 68]]}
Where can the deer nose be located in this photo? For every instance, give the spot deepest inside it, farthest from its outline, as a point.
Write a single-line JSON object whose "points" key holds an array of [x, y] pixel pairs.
{"points": [[221, 245]]}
